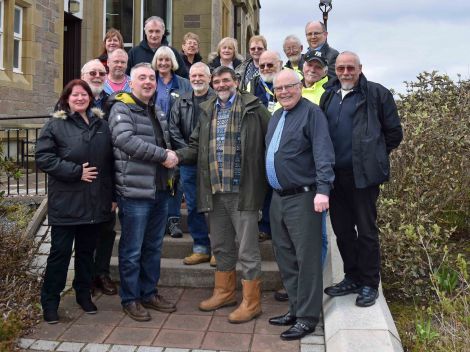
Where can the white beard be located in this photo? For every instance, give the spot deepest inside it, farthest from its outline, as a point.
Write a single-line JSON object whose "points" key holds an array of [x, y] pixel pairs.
{"points": [[96, 90]]}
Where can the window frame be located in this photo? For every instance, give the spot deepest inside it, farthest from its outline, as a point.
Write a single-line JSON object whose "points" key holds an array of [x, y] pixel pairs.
{"points": [[18, 37], [2, 21]]}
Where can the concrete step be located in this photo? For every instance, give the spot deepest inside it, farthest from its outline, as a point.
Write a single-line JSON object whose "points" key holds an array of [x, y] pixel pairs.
{"points": [[175, 273], [178, 248]]}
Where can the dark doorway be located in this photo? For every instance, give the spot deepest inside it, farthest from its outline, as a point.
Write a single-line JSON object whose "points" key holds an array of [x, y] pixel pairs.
{"points": [[72, 47]]}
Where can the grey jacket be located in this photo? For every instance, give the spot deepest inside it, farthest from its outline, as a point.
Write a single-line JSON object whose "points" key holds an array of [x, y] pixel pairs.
{"points": [[138, 158]]}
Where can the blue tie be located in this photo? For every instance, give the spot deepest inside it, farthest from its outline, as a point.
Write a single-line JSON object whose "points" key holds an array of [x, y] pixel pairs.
{"points": [[272, 149]]}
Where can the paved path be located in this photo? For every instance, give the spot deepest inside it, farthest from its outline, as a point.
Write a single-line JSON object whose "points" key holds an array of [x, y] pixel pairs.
{"points": [[188, 329]]}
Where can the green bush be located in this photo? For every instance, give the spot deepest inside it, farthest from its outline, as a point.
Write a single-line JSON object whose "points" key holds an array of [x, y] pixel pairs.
{"points": [[426, 204], [19, 287]]}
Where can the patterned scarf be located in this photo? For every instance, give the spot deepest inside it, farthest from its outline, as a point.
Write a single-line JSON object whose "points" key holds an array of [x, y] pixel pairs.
{"points": [[232, 135]]}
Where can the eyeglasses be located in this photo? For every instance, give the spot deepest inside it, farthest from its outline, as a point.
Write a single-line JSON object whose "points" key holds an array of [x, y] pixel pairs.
{"points": [[256, 48], [263, 66], [341, 69], [286, 87], [97, 73], [314, 34]]}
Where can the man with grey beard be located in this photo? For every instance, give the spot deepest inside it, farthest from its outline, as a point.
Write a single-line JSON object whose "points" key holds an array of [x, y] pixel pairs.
{"points": [[94, 73], [364, 128], [184, 117], [228, 147], [293, 49], [270, 64]]}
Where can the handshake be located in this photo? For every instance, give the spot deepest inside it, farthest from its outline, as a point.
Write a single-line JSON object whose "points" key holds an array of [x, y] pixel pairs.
{"points": [[171, 159]]}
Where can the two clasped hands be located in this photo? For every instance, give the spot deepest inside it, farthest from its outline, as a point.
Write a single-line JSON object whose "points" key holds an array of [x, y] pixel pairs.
{"points": [[171, 159]]}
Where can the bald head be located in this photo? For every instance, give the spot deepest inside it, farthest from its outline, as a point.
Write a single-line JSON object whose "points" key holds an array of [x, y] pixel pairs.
{"points": [[270, 64], [316, 34], [287, 88]]}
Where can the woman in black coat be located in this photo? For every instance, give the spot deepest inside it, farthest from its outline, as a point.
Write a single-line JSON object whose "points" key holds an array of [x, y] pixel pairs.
{"points": [[75, 150], [226, 55]]}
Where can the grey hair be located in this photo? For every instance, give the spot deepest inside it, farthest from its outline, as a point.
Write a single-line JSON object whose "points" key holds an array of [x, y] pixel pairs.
{"points": [[165, 51], [89, 63], [202, 65], [358, 61], [292, 37], [155, 19], [139, 65]]}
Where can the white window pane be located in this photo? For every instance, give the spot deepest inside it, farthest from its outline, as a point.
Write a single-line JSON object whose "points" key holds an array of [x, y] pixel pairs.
{"points": [[1, 15], [16, 54], [17, 21]]}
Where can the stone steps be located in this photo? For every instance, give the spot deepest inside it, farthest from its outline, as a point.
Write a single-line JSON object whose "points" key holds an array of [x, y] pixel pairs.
{"points": [[175, 273], [178, 248]]}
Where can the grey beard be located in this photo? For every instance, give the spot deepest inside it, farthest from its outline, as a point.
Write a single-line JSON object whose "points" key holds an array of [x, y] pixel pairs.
{"points": [[96, 90], [294, 59]]}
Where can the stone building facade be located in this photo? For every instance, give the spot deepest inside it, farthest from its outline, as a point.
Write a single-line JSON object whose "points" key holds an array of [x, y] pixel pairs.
{"points": [[45, 42]]}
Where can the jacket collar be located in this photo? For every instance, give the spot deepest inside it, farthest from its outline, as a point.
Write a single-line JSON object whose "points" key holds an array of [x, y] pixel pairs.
{"points": [[64, 115]]}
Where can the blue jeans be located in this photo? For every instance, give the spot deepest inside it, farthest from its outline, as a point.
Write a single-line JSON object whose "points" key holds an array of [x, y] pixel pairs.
{"points": [[174, 202], [324, 238], [196, 221], [142, 229]]}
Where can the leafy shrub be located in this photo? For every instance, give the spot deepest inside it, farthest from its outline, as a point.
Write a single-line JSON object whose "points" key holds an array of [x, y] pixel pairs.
{"points": [[19, 287], [426, 204]]}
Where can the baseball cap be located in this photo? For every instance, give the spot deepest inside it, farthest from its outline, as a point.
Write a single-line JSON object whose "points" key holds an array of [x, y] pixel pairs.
{"points": [[315, 55]]}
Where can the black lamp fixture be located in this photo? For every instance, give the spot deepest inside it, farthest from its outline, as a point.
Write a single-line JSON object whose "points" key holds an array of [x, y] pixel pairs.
{"points": [[325, 6]]}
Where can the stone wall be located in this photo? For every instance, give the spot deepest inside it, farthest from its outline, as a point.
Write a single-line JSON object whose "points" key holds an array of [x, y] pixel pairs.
{"points": [[36, 89]]}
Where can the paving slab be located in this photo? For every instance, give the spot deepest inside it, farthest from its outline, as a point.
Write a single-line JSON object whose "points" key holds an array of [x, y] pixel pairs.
{"points": [[96, 347], [44, 345], [70, 347]]}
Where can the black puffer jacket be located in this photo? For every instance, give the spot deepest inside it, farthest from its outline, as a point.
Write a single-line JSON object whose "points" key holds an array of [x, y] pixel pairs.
{"points": [[65, 143], [183, 120], [143, 53], [376, 130]]}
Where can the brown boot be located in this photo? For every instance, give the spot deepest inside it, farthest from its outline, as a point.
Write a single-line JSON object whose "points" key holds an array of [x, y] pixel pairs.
{"points": [[250, 307], [224, 292]]}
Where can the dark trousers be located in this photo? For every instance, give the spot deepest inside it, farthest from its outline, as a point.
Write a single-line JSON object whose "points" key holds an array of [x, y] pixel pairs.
{"points": [[264, 224], [104, 247], [353, 214], [297, 244], [62, 240]]}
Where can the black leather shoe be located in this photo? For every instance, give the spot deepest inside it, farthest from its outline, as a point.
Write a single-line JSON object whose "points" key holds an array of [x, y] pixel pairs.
{"points": [[106, 285], [281, 295], [51, 316], [367, 296], [345, 287], [87, 305], [297, 331], [284, 320]]}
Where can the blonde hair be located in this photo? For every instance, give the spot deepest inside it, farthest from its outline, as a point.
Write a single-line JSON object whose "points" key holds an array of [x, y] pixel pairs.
{"points": [[228, 41], [165, 51]]}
